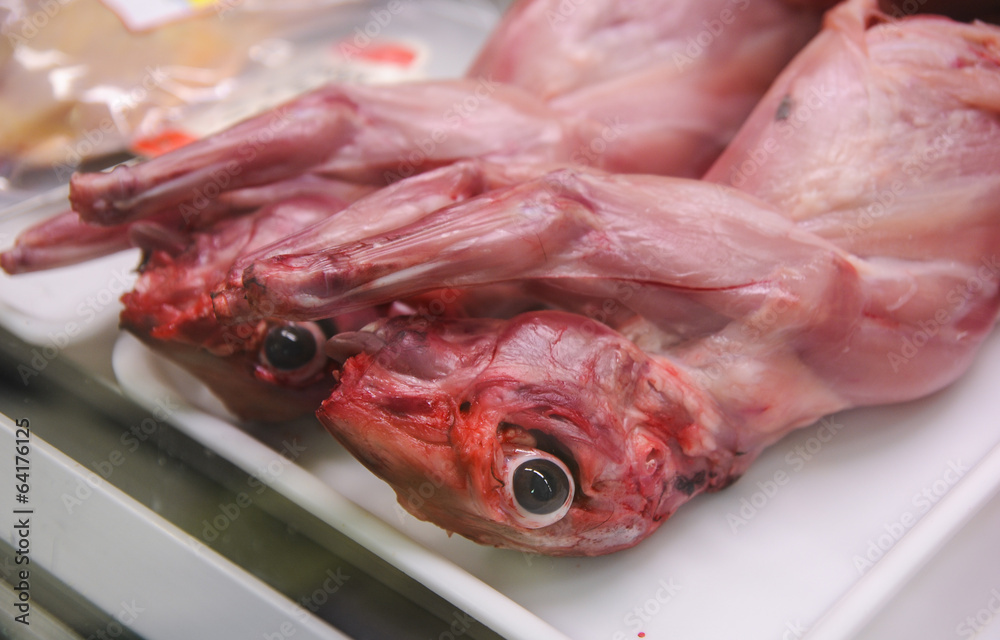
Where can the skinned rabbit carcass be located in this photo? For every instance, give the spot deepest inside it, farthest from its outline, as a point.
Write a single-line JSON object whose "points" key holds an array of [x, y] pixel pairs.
{"points": [[698, 323], [205, 210]]}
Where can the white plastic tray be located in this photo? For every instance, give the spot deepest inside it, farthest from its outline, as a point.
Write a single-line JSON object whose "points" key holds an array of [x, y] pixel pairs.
{"points": [[764, 559]]}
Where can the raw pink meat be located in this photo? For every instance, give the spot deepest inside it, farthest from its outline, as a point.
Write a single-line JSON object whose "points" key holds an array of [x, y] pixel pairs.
{"points": [[700, 323]]}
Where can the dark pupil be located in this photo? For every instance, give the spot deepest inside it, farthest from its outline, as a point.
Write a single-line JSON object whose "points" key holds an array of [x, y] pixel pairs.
{"points": [[289, 346], [540, 486]]}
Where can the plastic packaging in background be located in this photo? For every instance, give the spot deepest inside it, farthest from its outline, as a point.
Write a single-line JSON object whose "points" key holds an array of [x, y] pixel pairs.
{"points": [[370, 41], [85, 79]]}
